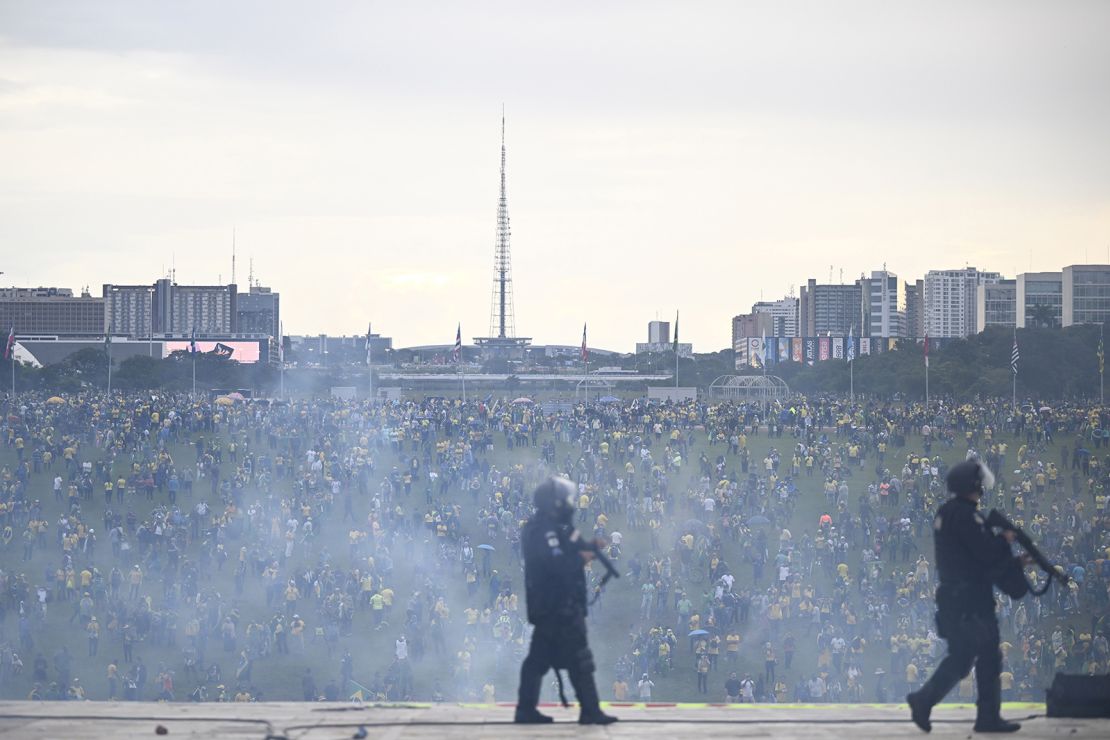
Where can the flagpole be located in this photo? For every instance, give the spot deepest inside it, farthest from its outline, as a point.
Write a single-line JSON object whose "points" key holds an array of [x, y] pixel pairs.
{"points": [[1101, 366], [1013, 373], [109, 361]]}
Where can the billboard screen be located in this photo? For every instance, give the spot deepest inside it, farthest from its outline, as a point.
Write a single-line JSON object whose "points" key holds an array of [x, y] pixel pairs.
{"points": [[240, 351]]}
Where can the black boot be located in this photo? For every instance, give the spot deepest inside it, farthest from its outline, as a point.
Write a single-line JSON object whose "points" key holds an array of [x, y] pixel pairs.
{"points": [[528, 695], [589, 705], [532, 716], [996, 725], [919, 710]]}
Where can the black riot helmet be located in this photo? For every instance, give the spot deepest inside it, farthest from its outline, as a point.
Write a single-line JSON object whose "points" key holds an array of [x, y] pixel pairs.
{"points": [[554, 499], [969, 477]]}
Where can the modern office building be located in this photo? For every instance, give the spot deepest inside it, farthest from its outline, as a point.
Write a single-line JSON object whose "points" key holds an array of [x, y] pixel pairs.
{"points": [[996, 304], [950, 300], [1085, 294], [1040, 299], [259, 311], [50, 311], [879, 314], [828, 309], [915, 309], [784, 316]]}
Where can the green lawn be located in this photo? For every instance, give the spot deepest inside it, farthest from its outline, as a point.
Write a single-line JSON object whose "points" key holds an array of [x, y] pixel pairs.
{"points": [[279, 677]]}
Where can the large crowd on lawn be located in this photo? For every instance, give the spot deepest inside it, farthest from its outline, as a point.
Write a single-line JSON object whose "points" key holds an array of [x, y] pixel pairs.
{"points": [[770, 552]]}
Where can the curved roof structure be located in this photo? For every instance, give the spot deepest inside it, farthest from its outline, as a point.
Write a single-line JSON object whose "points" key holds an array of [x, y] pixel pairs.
{"points": [[749, 388]]}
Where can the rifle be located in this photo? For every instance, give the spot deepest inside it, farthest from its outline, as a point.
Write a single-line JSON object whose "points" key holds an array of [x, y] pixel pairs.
{"points": [[995, 519], [591, 546]]}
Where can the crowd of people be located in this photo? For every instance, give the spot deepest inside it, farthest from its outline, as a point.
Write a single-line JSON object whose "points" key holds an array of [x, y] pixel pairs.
{"points": [[167, 547]]}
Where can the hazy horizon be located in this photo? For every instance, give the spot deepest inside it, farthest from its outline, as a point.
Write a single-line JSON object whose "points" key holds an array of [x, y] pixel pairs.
{"points": [[661, 156]]}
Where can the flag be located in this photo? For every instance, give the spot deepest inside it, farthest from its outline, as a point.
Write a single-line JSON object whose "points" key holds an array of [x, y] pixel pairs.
{"points": [[585, 351], [10, 343], [850, 353], [766, 354], [193, 342], [368, 343], [108, 340], [675, 343], [1014, 356], [456, 353], [281, 343], [926, 348]]}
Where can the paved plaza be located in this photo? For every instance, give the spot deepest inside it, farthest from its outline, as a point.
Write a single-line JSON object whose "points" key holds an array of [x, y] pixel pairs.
{"points": [[73, 720]]}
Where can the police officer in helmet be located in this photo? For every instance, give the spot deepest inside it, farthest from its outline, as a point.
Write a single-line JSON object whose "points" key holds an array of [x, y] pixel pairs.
{"points": [[969, 557], [555, 586]]}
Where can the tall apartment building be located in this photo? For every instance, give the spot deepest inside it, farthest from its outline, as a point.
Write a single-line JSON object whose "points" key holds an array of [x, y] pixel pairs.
{"points": [[784, 316], [828, 309], [168, 308], [915, 309], [950, 300], [879, 314], [258, 312], [54, 311], [1086, 294], [996, 305], [1039, 299]]}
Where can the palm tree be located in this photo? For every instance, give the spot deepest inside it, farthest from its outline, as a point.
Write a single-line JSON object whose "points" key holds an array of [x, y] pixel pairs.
{"points": [[1042, 315]]}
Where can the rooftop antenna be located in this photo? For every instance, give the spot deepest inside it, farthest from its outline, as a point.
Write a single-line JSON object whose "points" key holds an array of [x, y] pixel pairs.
{"points": [[842, 276], [250, 275], [173, 267], [830, 274], [233, 255]]}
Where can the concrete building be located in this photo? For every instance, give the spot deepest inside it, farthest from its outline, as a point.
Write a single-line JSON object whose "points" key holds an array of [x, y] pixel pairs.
{"points": [[659, 340], [879, 314], [1085, 294], [828, 309], [50, 311], [1039, 299], [784, 316], [259, 311], [659, 332], [750, 325], [950, 300], [915, 309], [166, 308], [996, 304]]}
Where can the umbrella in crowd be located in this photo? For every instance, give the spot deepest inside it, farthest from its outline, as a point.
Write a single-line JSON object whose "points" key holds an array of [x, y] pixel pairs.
{"points": [[486, 547], [522, 399]]}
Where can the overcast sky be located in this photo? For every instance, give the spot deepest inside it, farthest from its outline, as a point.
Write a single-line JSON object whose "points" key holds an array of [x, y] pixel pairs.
{"points": [[661, 156]]}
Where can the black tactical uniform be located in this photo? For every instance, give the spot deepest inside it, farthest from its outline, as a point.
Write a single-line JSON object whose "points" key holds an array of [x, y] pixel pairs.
{"points": [[555, 587], [969, 556]]}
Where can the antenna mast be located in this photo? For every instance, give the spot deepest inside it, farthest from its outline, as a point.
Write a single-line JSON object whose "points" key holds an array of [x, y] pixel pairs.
{"points": [[233, 254], [502, 321]]}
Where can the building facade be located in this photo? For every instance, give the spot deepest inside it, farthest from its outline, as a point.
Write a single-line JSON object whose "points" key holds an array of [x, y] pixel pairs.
{"points": [[50, 311], [828, 309], [166, 308], [1040, 299], [784, 316], [996, 304], [950, 300], [879, 314], [259, 311], [1085, 294], [749, 325], [915, 309], [659, 332]]}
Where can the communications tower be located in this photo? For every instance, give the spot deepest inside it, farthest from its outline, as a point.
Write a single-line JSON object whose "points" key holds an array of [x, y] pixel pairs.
{"points": [[502, 340]]}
